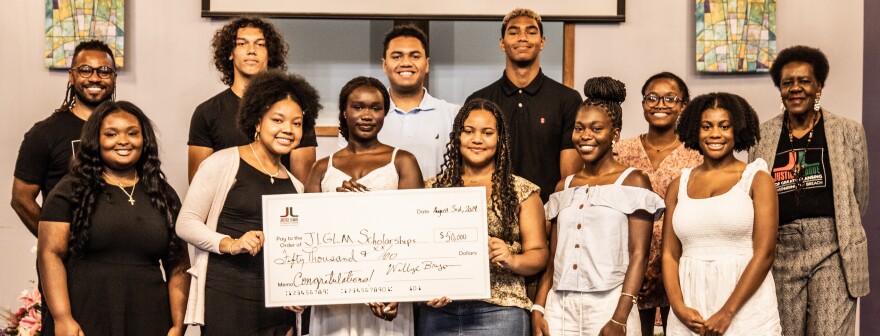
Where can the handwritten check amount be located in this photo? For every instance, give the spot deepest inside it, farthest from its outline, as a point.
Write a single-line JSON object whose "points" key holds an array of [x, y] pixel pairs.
{"points": [[379, 246]]}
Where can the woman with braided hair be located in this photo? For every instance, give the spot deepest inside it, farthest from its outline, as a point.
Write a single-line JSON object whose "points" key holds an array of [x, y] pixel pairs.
{"points": [[601, 220], [478, 155]]}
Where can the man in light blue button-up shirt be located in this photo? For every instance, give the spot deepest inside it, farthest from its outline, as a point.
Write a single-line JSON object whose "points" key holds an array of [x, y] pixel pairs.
{"points": [[416, 121]]}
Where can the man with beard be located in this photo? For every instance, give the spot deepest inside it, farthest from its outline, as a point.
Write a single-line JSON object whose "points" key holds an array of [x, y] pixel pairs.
{"points": [[416, 121], [242, 48], [539, 110], [49, 145]]}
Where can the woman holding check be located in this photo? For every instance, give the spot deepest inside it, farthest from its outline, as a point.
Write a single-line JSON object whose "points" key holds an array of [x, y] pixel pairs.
{"points": [[478, 155], [222, 215], [364, 164]]}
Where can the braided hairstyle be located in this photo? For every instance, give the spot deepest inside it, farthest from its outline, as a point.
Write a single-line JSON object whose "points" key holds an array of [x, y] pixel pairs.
{"points": [[607, 94], [94, 45], [746, 126], [503, 198], [89, 185]]}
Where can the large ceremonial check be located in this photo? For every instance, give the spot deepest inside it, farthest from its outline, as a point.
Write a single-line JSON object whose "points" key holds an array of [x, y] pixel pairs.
{"points": [[379, 246]]}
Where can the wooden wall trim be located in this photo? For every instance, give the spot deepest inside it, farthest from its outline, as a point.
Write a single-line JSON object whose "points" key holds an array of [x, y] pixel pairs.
{"points": [[327, 131], [568, 54]]}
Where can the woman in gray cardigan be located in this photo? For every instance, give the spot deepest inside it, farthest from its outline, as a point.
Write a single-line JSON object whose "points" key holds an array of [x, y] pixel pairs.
{"points": [[222, 214], [819, 163]]}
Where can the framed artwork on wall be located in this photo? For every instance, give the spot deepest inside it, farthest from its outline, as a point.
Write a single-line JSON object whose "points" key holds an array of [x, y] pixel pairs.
{"points": [[69, 22], [550, 10], [735, 35]]}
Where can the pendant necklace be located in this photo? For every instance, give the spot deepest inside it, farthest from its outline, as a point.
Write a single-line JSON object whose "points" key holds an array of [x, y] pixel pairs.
{"points": [[130, 195], [478, 180], [271, 176], [645, 139]]}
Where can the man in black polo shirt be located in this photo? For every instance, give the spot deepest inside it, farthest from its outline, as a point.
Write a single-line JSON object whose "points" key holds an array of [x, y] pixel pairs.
{"points": [[48, 147], [539, 110], [242, 48]]}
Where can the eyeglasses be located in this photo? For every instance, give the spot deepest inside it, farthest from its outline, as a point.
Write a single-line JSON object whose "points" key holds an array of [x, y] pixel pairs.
{"points": [[653, 99], [86, 71]]}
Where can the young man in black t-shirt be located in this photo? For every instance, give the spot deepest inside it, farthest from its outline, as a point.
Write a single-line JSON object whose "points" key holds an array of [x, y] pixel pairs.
{"points": [[48, 147], [242, 48]]}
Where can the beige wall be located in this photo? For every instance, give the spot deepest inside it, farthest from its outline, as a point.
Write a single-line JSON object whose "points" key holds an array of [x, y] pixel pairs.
{"points": [[168, 73], [659, 36]]}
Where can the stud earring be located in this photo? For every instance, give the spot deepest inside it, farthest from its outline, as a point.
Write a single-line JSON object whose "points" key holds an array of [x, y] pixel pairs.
{"points": [[817, 105]]}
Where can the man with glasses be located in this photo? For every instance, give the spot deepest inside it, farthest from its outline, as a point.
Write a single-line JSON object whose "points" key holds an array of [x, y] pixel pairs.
{"points": [[539, 110], [49, 145], [242, 48]]}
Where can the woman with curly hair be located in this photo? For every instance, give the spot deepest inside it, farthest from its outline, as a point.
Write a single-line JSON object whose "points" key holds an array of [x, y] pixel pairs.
{"points": [[659, 154], [222, 215], [478, 155], [720, 226], [104, 230], [819, 162], [601, 229]]}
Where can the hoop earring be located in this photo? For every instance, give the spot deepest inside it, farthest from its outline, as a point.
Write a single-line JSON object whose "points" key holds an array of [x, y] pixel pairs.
{"points": [[782, 106], [817, 105], [256, 135]]}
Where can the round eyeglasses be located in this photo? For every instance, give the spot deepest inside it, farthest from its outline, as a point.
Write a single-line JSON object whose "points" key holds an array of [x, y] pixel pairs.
{"points": [[86, 71], [653, 99]]}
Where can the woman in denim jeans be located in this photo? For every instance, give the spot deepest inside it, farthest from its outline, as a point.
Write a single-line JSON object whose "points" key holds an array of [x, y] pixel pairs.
{"points": [[478, 154]]}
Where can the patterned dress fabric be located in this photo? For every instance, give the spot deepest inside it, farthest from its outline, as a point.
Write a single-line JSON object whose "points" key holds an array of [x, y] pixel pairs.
{"points": [[508, 288], [632, 153]]}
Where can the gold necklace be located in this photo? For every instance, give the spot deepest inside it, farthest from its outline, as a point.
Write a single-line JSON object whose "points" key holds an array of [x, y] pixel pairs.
{"points": [[271, 176], [130, 195], [645, 140], [479, 179]]}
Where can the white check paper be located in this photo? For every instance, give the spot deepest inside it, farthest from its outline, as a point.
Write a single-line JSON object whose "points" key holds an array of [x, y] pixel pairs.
{"points": [[380, 246]]}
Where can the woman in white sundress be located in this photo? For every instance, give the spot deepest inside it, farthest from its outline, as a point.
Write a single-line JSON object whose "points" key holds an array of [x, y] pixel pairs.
{"points": [[720, 228], [364, 164]]}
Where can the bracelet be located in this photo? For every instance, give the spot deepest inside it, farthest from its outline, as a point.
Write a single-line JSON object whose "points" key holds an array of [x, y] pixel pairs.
{"points": [[620, 324], [538, 308], [635, 298], [234, 240]]}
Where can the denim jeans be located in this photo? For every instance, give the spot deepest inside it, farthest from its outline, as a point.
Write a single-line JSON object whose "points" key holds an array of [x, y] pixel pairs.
{"points": [[473, 318]]}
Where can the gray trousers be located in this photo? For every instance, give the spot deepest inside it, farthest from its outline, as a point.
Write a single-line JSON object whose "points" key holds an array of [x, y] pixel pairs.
{"points": [[810, 285]]}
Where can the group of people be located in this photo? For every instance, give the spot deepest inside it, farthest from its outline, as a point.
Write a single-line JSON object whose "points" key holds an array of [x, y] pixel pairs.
{"points": [[589, 234]]}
